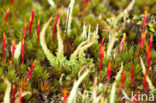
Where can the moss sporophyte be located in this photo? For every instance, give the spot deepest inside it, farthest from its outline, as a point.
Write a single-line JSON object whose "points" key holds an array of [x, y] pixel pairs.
{"points": [[6, 15]]}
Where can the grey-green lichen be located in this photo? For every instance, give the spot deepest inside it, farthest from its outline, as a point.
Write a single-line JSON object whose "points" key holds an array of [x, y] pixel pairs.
{"points": [[76, 58]]}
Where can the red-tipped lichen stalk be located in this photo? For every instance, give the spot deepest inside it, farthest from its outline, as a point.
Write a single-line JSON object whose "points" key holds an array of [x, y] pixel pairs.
{"points": [[4, 43], [132, 74], [6, 15], [150, 43], [101, 58], [122, 44], [12, 1], [142, 41], [65, 96], [20, 95], [23, 47], [25, 29], [101, 44], [109, 71], [145, 19], [56, 20], [38, 29], [86, 3], [30, 25], [145, 81], [122, 80], [13, 93], [13, 51], [31, 70], [148, 56]]}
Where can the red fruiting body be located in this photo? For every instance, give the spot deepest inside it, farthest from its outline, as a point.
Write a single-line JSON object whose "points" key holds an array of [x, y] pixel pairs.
{"points": [[13, 50], [86, 3], [132, 73], [122, 80], [30, 25], [38, 29], [142, 41], [109, 71], [31, 70], [145, 81], [25, 29], [13, 93], [56, 20], [150, 43], [23, 47], [12, 1], [101, 58], [101, 44], [6, 15], [122, 44], [145, 18], [4, 43], [148, 56], [20, 95], [65, 96]]}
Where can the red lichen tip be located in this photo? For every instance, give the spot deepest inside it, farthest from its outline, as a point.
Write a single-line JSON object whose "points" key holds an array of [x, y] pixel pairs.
{"points": [[145, 13], [4, 43], [23, 41], [65, 96], [38, 21], [109, 71], [132, 73], [23, 46], [13, 93], [150, 43], [124, 38], [12, 1], [101, 58], [101, 44], [144, 34], [145, 81], [86, 3], [31, 70], [151, 37], [56, 20], [122, 80], [4, 36], [122, 44], [8, 9], [64, 92], [13, 41], [58, 11], [20, 95], [6, 15]]}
